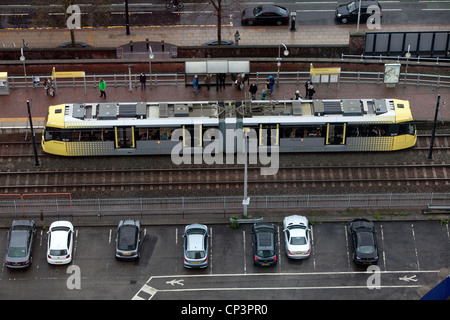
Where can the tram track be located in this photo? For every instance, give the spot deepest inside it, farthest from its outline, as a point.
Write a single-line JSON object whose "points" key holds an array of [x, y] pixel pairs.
{"points": [[401, 174]]}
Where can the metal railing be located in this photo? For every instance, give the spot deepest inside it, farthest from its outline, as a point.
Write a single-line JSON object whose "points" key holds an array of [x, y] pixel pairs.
{"points": [[397, 58], [167, 79], [217, 207]]}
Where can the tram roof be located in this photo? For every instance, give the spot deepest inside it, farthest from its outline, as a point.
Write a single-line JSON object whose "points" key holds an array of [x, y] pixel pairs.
{"points": [[210, 112]]}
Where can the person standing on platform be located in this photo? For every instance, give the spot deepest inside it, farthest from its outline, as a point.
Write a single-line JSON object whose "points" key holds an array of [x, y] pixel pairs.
{"points": [[311, 91], [237, 37], [307, 84], [195, 84], [142, 79], [253, 89], [102, 87], [208, 81], [271, 83]]}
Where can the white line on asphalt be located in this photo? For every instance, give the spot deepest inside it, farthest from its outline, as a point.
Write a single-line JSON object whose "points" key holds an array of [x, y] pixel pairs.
{"points": [[245, 255], [415, 247]]}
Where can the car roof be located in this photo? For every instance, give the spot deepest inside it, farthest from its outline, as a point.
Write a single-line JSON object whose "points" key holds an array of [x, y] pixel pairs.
{"points": [[127, 234], [18, 238], [196, 226], [265, 240], [67, 224], [59, 234], [270, 7], [195, 242]]}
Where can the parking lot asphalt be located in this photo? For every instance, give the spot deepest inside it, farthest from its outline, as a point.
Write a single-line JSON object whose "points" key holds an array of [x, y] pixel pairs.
{"points": [[414, 257]]}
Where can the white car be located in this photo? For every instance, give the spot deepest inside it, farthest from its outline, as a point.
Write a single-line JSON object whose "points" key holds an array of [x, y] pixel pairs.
{"points": [[297, 236], [60, 242]]}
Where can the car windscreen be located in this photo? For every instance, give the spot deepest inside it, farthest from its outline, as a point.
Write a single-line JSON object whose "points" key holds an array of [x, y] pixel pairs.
{"points": [[14, 252], [127, 238], [195, 254], [366, 243], [60, 252]]}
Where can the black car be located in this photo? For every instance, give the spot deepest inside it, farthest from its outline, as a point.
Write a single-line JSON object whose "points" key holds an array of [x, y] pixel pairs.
{"points": [[128, 241], [364, 241], [264, 244], [349, 12], [20, 244], [265, 14]]}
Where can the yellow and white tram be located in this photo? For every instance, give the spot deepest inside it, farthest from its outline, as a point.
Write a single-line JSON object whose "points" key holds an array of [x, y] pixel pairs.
{"points": [[141, 128]]}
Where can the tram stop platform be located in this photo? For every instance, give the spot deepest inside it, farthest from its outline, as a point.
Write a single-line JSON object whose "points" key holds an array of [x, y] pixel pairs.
{"points": [[14, 112]]}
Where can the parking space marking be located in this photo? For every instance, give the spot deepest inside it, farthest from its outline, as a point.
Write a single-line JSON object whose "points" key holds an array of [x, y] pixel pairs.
{"points": [[382, 244], [415, 247], [245, 254]]}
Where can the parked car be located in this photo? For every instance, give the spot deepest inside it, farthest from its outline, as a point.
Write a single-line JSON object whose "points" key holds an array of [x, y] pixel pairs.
{"points": [[264, 243], [60, 242], [364, 241], [265, 15], [349, 12], [297, 237], [196, 246], [128, 240], [20, 244]]}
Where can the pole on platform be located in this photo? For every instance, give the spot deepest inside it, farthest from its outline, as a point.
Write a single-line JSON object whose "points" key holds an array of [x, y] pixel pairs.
{"points": [[36, 160], [433, 133]]}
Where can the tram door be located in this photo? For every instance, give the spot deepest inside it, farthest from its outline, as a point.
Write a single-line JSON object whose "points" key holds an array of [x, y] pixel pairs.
{"points": [[124, 137], [268, 135], [336, 133]]}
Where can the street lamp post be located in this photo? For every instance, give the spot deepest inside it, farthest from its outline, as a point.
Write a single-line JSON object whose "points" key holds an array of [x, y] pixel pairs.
{"points": [[433, 133], [127, 18], [285, 53], [150, 58], [36, 160], [246, 200], [22, 58]]}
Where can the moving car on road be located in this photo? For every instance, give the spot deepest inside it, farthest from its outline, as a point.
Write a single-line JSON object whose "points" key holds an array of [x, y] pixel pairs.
{"points": [[128, 240], [265, 15], [196, 246], [364, 241], [20, 244], [60, 242], [264, 243], [349, 12], [297, 237]]}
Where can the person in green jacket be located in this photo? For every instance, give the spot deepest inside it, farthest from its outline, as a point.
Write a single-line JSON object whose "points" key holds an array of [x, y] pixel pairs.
{"points": [[102, 87]]}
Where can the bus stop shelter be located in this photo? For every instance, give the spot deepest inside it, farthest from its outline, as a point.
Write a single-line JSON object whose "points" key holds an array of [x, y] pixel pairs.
{"points": [[215, 67], [4, 89], [68, 74]]}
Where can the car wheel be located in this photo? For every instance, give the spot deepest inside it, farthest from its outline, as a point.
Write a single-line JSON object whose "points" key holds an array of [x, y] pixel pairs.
{"points": [[250, 22], [279, 23], [344, 20]]}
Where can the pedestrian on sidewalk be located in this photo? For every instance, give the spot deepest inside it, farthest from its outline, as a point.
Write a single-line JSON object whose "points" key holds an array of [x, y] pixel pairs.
{"points": [[142, 79], [222, 78], [208, 81], [195, 84], [270, 83], [297, 95], [237, 37], [48, 85], [102, 87], [311, 91], [253, 89], [307, 84], [264, 94]]}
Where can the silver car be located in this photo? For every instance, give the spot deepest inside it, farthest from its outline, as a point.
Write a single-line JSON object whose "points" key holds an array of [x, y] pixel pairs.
{"points": [[196, 246], [297, 237], [128, 240], [20, 244]]}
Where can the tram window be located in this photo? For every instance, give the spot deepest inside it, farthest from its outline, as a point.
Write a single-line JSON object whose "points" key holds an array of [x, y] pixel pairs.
{"points": [[52, 134], [313, 131], [141, 133], [406, 128]]}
